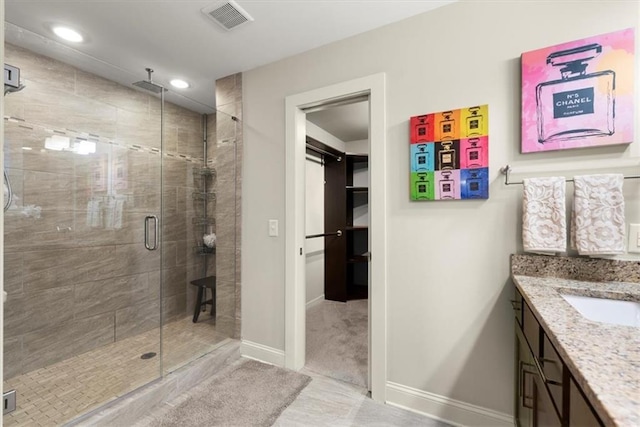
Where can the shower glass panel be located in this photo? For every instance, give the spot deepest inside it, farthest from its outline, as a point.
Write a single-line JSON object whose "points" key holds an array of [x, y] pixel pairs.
{"points": [[82, 322], [103, 298], [198, 237]]}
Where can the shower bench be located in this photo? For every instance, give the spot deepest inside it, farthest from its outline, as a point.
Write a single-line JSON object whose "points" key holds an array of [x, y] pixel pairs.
{"points": [[203, 284]]}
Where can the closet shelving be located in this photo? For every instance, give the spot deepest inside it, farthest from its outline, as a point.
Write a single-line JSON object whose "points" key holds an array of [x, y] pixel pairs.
{"points": [[357, 226], [346, 209]]}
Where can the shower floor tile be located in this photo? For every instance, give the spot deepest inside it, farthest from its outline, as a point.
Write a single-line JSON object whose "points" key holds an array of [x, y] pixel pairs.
{"points": [[65, 390]]}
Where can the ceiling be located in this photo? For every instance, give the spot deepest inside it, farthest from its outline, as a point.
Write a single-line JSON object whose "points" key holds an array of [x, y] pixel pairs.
{"points": [[176, 39], [346, 122]]}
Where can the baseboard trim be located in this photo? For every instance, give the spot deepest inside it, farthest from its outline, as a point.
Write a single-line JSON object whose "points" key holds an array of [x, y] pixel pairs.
{"points": [[445, 409], [262, 353], [315, 301]]}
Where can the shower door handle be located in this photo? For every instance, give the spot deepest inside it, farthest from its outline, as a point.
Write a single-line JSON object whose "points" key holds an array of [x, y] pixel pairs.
{"points": [[147, 220]]}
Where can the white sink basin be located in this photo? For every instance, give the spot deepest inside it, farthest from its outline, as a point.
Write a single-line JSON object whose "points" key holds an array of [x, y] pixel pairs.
{"points": [[613, 311]]}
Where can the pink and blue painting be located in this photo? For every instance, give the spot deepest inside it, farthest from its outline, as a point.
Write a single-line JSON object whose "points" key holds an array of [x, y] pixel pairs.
{"points": [[579, 94], [450, 155]]}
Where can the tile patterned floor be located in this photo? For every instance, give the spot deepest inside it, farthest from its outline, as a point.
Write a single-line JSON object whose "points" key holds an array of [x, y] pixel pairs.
{"points": [[330, 402], [60, 392]]}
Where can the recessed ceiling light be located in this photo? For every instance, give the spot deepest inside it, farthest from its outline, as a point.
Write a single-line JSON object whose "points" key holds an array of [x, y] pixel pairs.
{"points": [[180, 84], [68, 34]]}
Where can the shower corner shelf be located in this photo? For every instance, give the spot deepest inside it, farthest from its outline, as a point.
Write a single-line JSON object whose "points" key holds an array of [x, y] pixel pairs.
{"points": [[203, 220], [204, 171], [204, 195], [204, 250]]}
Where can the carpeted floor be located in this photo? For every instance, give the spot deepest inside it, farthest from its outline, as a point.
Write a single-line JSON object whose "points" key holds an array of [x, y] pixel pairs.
{"points": [[247, 393], [337, 341]]}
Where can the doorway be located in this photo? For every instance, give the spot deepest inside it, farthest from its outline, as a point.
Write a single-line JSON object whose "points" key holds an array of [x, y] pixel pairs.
{"points": [[372, 87], [337, 241]]}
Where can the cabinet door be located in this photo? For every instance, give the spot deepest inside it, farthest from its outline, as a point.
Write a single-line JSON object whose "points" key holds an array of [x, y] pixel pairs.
{"points": [[516, 304], [531, 329], [552, 367], [580, 413], [544, 413], [524, 375]]}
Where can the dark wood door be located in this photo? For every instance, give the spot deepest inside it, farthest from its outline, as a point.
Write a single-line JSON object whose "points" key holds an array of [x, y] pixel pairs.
{"points": [[335, 214]]}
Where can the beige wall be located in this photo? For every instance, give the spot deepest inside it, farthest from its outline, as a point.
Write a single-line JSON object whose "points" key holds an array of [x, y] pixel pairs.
{"points": [[77, 279], [450, 328]]}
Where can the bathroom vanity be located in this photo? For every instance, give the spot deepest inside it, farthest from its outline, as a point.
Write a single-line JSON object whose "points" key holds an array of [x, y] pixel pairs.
{"points": [[570, 370]]}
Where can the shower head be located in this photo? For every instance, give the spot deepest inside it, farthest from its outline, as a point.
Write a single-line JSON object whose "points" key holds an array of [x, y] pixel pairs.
{"points": [[11, 89], [12, 79], [149, 84]]}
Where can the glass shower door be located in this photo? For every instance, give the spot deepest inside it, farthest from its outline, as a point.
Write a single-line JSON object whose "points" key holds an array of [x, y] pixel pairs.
{"points": [[83, 272]]}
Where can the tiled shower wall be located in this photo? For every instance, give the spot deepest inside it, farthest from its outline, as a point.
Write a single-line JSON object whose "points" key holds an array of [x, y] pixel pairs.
{"points": [[225, 154], [76, 271]]}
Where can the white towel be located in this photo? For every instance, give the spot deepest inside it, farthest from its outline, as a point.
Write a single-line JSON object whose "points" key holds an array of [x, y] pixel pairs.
{"points": [[109, 213], [544, 221], [599, 214], [117, 213], [94, 213]]}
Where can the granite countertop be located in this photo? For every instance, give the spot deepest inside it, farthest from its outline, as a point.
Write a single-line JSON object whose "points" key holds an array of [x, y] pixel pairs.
{"points": [[603, 358]]}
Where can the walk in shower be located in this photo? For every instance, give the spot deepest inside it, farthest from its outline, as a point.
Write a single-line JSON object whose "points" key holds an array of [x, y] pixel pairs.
{"points": [[112, 191]]}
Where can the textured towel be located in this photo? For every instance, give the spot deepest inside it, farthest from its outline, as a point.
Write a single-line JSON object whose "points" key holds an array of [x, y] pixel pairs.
{"points": [[544, 221], [94, 213], [599, 214]]}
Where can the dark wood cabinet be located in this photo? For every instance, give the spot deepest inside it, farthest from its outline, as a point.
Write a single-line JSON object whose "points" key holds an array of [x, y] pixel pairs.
{"points": [[580, 413], [357, 226], [525, 371], [544, 412], [546, 393], [346, 208], [335, 211]]}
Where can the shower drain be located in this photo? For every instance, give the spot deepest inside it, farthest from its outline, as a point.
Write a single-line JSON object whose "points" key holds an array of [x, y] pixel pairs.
{"points": [[148, 355]]}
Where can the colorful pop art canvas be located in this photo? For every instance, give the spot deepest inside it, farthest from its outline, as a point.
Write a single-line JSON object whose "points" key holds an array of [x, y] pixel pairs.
{"points": [[579, 94], [450, 154]]}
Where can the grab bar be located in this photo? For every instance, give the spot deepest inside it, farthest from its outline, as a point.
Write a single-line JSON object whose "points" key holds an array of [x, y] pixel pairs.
{"points": [[9, 191]]}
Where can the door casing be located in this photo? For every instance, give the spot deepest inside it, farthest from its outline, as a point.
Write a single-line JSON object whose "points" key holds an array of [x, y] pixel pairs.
{"points": [[295, 298]]}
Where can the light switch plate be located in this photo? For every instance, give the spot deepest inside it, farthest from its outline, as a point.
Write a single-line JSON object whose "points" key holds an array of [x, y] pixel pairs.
{"points": [[634, 239], [273, 227]]}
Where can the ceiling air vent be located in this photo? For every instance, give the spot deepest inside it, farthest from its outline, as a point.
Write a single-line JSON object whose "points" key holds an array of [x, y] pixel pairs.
{"points": [[227, 14]]}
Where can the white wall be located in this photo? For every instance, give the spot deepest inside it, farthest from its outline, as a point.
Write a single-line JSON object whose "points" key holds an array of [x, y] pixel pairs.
{"points": [[360, 146], [325, 137], [450, 327], [314, 224]]}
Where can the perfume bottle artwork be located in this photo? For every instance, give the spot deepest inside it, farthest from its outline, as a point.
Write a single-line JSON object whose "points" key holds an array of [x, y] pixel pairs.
{"points": [[422, 157], [422, 128], [447, 125], [474, 122], [474, 154], [446, 167], [579, 93], [578, 104], [475, 183], [448, 185], [423, 186], [447, 155]]}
